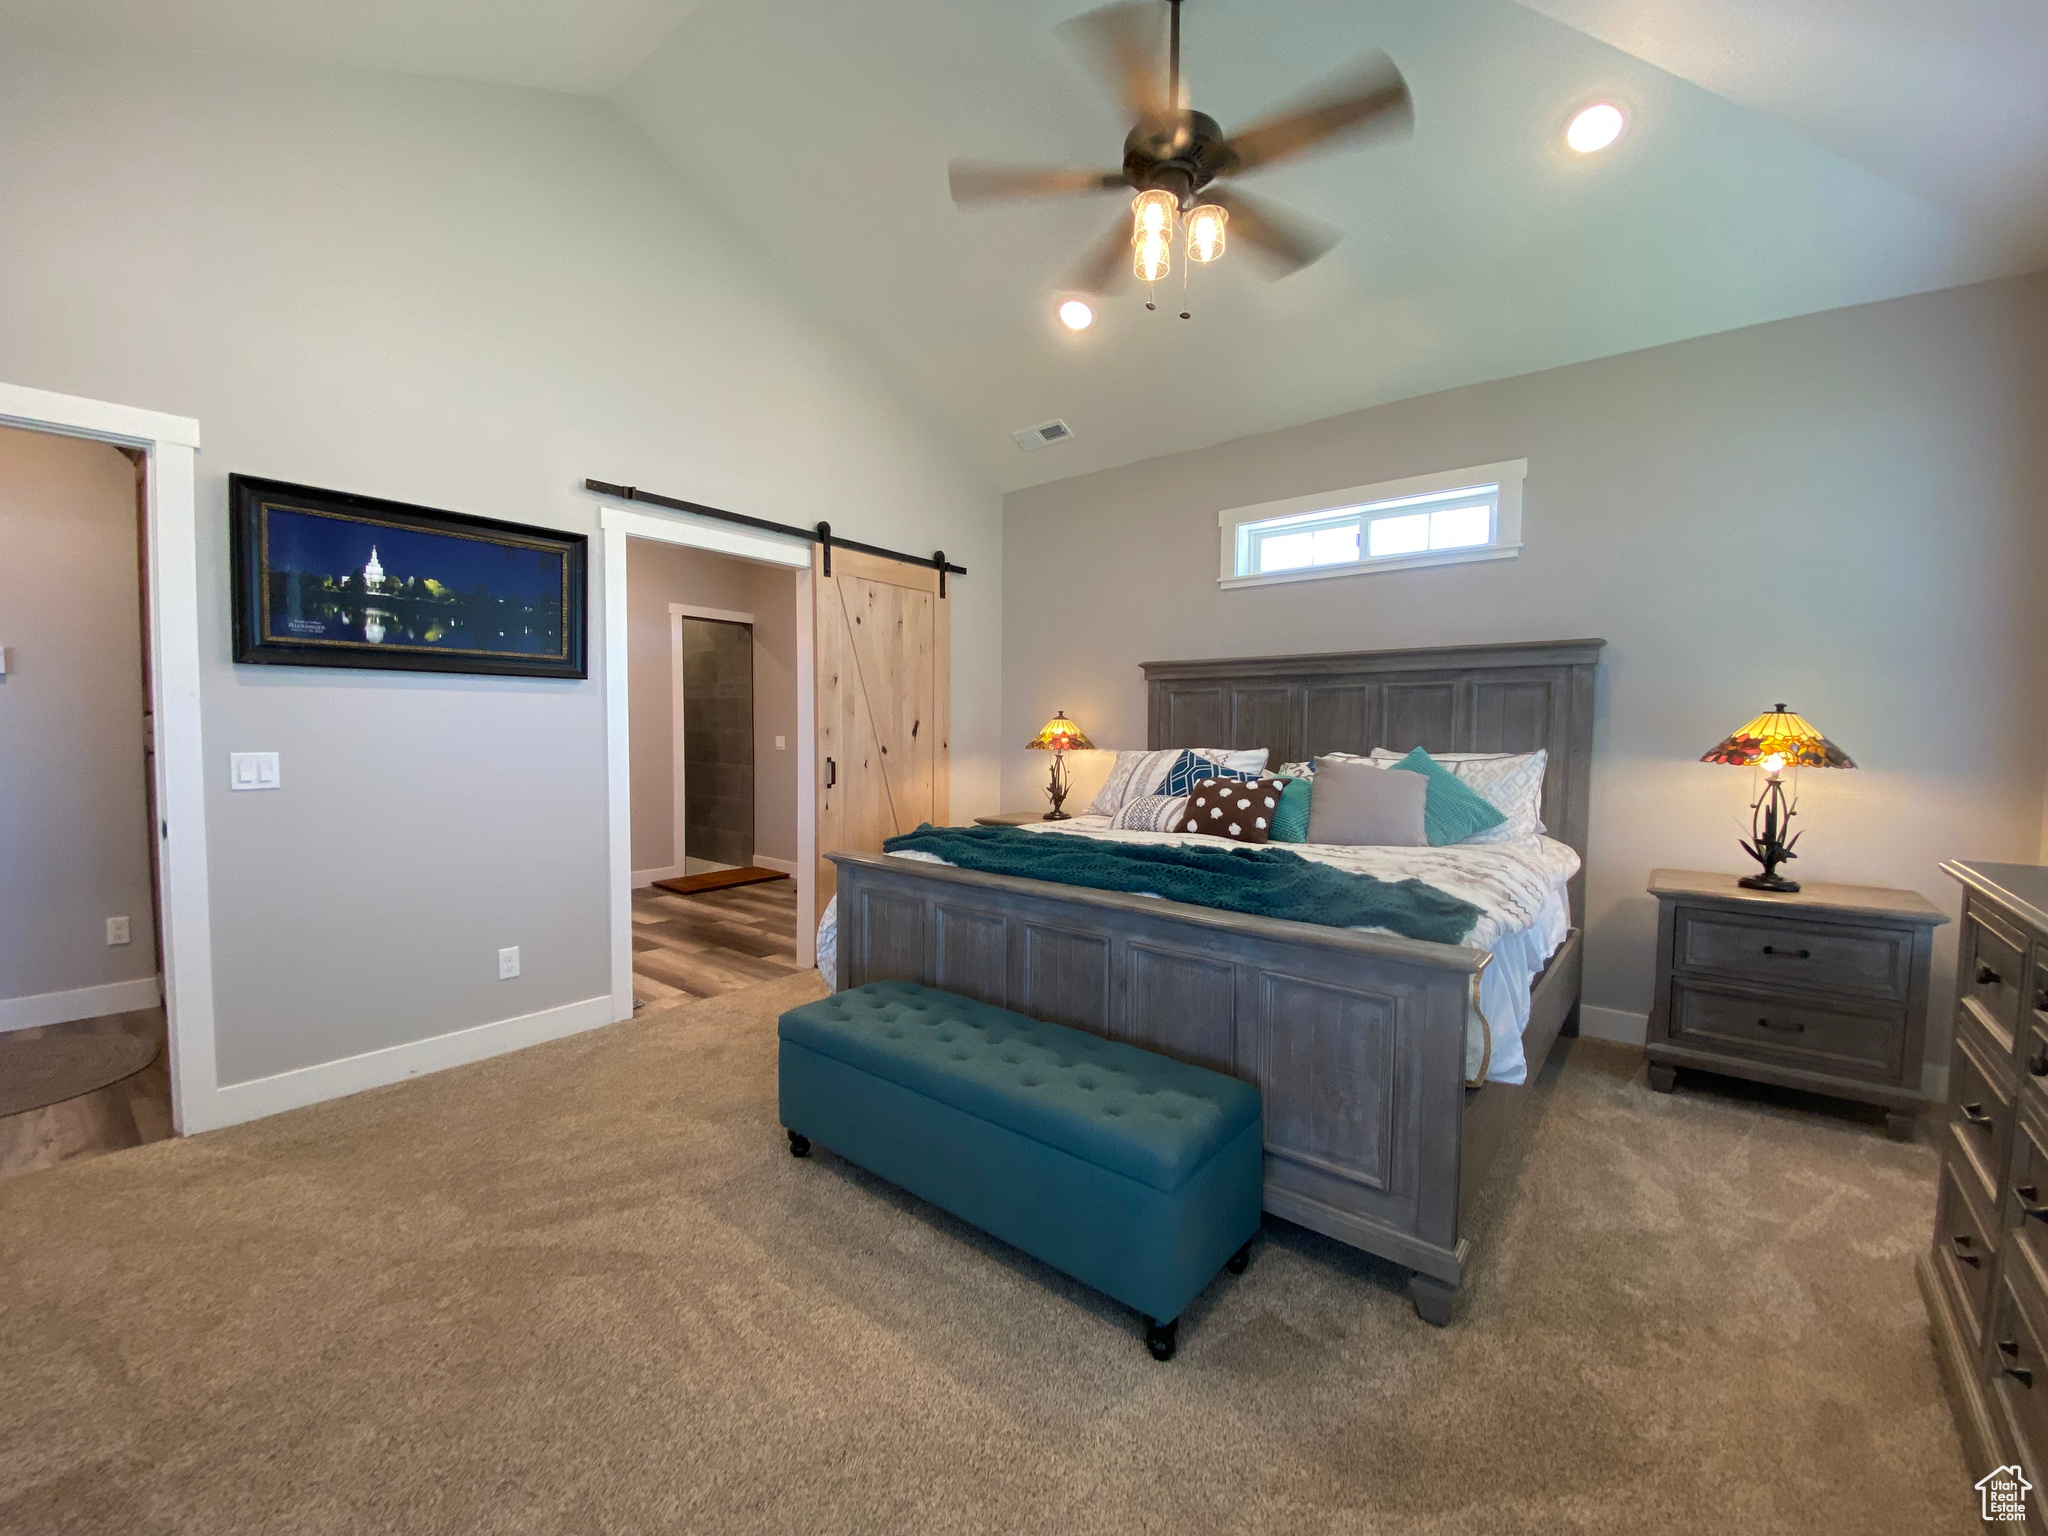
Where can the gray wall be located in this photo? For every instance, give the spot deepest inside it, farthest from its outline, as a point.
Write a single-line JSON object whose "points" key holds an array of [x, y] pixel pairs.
{"points": [[657, 575], [74, 818], [470, 297], [1844, 511]]}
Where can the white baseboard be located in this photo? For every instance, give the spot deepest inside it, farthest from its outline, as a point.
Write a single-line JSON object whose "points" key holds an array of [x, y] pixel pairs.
{"points": [[780, 866], [649, 876], [236, 1102], [79, 1003], [1616, 1024]]}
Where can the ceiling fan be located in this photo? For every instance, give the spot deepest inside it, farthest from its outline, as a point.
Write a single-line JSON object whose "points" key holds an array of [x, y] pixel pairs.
{"points": [[1174, 154]]}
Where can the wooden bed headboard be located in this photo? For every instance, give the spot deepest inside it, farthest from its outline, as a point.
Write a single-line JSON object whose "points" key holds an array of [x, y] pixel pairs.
{"points": [[1456, 698]]}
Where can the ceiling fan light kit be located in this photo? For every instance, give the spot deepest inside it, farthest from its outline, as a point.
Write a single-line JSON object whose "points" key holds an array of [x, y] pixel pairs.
{"points": [[1174, 153]]}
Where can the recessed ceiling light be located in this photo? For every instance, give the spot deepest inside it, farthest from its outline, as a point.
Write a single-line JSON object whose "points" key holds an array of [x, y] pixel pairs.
{"points": [[1594, 128], [1076, 316]]}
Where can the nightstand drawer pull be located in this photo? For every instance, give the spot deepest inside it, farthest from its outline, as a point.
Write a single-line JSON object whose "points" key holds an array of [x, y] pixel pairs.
{"points": [[1974, 1113], [1987, 977], [1790, 1026], [1963, 1245], [1800, 954]]}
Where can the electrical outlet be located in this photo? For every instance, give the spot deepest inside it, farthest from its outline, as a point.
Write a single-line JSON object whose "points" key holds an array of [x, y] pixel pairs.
{"points": [[117, 931], [781, 742], [508, 963]]}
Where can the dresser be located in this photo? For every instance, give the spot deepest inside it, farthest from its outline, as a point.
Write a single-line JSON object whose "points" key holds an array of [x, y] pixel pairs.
{"points": [[1985, 1279], [1823, 988]]}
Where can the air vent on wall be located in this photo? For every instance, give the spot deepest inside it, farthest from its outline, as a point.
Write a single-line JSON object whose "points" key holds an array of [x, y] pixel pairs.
{"points": [[1031, 439]]}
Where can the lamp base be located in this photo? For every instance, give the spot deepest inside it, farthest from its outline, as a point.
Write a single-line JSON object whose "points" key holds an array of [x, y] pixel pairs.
{"points": [[1055, 815], [1767, 883]]}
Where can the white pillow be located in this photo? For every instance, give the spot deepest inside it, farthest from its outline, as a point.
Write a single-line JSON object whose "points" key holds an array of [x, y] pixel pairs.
{"points": [[1135, 775], [1150, 813], [1512, 783]]}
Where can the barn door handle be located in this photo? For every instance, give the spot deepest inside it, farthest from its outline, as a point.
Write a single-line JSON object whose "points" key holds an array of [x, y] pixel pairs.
{"points": [[1963, 1245], [1987, 977], [1803, 954], [831, 773]]}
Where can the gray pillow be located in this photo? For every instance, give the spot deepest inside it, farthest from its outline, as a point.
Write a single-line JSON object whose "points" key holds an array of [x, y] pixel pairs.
{"points": [[1361, 804]]}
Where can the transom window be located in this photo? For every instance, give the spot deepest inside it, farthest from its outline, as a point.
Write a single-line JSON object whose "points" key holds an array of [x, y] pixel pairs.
{"points": [[1441, 519]]}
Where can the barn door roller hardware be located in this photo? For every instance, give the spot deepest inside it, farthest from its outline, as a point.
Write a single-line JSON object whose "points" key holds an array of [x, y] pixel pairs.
{"points": [[822, 535]]}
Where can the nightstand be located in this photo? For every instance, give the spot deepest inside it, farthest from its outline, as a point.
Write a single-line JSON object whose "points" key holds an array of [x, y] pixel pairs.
{"points": [[1823, 988], [1009, 818]]}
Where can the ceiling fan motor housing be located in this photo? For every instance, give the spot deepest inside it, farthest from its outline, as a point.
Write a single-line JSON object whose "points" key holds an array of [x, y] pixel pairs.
{"points": [[1181, 154]]}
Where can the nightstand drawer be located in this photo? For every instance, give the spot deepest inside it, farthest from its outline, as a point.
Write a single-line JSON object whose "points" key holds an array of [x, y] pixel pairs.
{"points": [[1867, 1043], [1965, 1245], [1872, 962], [1989, 966], [1981, 1126]]}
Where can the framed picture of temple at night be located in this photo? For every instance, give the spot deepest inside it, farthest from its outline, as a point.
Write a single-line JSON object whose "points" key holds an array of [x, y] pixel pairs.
{"points": [[328, 579]]}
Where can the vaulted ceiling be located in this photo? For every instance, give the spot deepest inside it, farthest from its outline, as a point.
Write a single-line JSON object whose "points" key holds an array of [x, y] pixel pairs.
{"points": [[1784, 156]]}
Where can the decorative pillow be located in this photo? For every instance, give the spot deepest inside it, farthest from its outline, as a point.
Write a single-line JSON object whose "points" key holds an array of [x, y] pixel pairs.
{"points": [[1511, 781], [1135, 774], [1190, 768], [1359, 804], [1453, 810], [1307, 770], [1290, 818], [1232, 808], [1150, 813]]}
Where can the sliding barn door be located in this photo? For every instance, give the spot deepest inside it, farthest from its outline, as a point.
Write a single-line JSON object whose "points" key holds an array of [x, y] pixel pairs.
{"points": [[882, 692]]}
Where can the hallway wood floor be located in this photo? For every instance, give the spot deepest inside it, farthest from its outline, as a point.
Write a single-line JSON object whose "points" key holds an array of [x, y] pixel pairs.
{"points": [[712, 942], [127, 1113]]}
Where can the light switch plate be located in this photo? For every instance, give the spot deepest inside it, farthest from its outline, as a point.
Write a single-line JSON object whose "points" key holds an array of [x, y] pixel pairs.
{"points": [[508, 963], [780, 743], [117, 931], [253, 770]]}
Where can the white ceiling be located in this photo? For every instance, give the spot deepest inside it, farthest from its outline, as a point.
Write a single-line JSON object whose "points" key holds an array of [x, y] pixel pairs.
{"points": [[1784, 156]]}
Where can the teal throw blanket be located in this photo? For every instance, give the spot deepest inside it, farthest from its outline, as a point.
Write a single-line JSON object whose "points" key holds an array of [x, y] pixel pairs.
{"points": [[1265, 882]]}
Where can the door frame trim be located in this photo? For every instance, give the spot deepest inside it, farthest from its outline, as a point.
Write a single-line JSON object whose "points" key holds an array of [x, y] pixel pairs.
{"points": [[170, 448], [616, 524]]}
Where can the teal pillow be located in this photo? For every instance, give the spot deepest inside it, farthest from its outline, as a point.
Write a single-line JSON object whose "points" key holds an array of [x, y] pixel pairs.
{"points": [[1453, 809], [1290, 821]]}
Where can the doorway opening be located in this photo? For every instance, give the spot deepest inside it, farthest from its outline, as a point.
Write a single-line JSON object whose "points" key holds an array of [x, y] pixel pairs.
{"points": [[713, 729], [84, 1041]]}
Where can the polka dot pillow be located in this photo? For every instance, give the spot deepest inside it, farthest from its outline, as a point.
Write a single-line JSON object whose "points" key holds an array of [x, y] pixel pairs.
{"points": [[1226, 808]]}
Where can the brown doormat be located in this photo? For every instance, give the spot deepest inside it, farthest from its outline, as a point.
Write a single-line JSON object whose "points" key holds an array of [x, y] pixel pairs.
{"points": [[718, 880], [53, 1068]]}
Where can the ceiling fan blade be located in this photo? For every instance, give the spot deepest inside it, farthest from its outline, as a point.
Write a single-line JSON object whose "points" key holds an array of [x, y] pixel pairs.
{"points": [[1107, 262], [973, 182], [1126, 45], [1373, 98], [1289, 239]]}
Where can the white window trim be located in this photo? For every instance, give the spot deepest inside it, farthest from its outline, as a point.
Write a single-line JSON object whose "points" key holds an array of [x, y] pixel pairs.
{"points": [[1507, 543]]}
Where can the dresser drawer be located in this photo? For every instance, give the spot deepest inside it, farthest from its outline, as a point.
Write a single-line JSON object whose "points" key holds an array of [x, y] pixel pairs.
{"points": [[1848, 1042], [1981, 1118], [2018, 1363], [1965, 1243], [2026, 1193], [1828, 957], [1989, 966]]}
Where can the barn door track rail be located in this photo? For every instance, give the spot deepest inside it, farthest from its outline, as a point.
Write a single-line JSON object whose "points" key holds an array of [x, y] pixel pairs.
{"points": [[821, 535]]}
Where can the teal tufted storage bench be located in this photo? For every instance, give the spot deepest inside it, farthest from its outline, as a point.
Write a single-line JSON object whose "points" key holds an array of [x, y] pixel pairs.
{"points": [[1135, 1173]]}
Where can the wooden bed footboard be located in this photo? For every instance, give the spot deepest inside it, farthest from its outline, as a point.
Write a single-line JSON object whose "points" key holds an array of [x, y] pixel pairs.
{"points": [[1356, 1041]]}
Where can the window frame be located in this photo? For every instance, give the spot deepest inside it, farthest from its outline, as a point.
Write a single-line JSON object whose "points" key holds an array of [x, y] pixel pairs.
{"points": [[1506, 543]]}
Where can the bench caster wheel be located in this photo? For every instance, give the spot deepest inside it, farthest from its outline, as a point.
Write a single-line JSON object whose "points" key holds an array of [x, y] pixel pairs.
{"points": [[799, 1144], [1240, 1261], [1162, 1338]]}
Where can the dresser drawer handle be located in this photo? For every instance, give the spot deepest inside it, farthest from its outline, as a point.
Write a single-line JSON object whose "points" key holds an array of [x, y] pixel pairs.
{"points": [[1963, 1245], [2038, 1064], [1987, 977], [1801, 954], [2020, 1374], [1790, 1026], [1974, 1113]]}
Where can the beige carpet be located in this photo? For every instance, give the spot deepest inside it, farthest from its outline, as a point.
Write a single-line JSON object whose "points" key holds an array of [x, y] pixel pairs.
{"points": [[585, 1288]]}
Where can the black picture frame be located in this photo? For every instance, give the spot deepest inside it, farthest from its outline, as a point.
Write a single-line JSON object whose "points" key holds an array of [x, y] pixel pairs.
{"points": [[317, 613]]}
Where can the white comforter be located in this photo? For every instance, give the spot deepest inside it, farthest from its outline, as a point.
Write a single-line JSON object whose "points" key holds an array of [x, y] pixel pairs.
{"points": [[1518, 887]]}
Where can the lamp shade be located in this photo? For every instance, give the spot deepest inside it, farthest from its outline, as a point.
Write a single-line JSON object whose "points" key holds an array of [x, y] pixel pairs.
{"points": [[1060, 735], [1780, 734]]}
